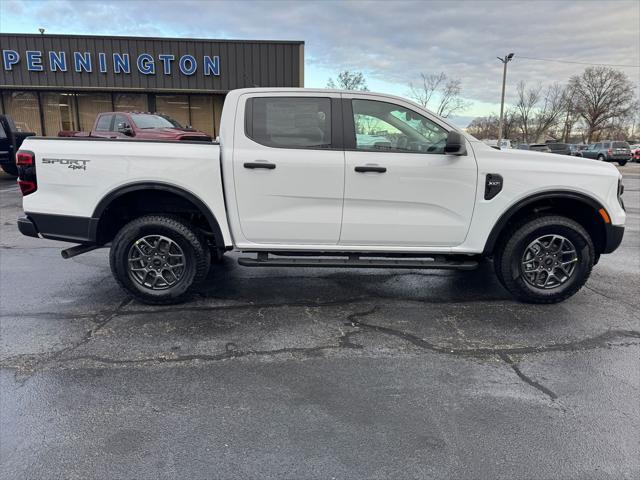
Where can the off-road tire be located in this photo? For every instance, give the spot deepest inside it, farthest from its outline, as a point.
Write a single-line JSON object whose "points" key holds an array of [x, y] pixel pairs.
{"points": [[509, 253], [601, 158], [10, 169], [197, 257]]}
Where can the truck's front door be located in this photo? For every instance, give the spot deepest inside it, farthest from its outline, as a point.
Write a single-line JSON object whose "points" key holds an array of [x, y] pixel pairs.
{"points": [[401, 190], [288, 167]]}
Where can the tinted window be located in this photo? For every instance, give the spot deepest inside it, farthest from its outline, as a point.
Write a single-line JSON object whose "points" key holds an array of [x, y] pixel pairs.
{"points": [[597, 146], [104, 123], [557, 146], [620, 145], [383, 126], [2, 134], [288, 122]]}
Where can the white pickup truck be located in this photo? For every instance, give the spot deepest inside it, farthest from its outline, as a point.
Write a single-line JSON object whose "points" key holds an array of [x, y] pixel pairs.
{"points": [[322, 178]]}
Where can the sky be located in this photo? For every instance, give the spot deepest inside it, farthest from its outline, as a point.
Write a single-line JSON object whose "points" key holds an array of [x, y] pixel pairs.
{"points": [[391, 42]]}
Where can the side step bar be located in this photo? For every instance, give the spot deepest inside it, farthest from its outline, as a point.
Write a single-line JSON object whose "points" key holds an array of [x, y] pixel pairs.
{"points": [[357, 261]]}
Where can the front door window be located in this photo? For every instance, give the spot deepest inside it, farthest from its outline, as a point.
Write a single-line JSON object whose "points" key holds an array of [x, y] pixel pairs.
{"points": [[382, 126]]}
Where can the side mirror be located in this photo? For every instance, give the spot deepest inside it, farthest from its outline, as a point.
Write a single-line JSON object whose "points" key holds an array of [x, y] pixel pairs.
{"points": [[455, 144], [125, 129]]}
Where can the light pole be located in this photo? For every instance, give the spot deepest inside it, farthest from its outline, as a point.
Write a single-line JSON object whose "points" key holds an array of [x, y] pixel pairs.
{"points": [[504, 60]]}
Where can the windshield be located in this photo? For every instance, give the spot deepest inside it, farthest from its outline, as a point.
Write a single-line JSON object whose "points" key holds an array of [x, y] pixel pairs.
{"points": [[147, 120]]}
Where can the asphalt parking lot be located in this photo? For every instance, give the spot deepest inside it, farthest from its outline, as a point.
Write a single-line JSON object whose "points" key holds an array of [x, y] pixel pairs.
{"points": [[303, 374]]}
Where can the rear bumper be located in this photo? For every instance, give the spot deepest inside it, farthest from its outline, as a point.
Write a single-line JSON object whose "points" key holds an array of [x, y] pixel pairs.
{"points": [[613, 237], [27, 227], [58, 227]]}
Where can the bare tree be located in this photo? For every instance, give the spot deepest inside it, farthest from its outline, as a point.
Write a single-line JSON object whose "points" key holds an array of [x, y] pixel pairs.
{"points": [[539, 110], [510, 124], [484, 127], [570, 114], [439, 93], [487, 127], [602, 96], [349, 81], [547, 115], [527, 100]]}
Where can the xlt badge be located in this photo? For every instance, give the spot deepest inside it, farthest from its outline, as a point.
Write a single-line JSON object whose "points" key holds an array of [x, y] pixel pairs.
{"points": [[492, 186]]}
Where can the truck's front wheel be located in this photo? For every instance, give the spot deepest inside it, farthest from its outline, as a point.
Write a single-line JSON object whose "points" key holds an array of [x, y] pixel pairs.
{"points": [[156, 258], [545, 260]]}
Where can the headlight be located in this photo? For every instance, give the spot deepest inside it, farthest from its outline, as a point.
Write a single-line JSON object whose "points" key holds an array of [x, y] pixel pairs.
{"points": [[620, 192]]}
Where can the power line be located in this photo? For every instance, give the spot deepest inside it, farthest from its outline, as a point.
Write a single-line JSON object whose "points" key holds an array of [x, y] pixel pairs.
{"points": [[578, 63]]}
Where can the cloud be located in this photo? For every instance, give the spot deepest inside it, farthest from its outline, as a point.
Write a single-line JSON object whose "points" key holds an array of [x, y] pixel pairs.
{"points": [[391, 41]]}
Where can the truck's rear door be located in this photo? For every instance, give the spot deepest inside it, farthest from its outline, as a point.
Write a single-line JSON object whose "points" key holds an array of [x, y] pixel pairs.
{"points": [[288, 167]]}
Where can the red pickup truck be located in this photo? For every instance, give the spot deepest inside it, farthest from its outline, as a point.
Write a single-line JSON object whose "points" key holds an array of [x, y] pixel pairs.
{"points": [[140, 125]]}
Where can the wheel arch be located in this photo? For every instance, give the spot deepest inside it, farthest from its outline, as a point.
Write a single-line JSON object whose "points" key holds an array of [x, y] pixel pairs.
{"points": [[157, 188], [575, 205]]}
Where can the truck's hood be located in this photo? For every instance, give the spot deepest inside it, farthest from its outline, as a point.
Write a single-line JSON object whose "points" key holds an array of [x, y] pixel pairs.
{"points": [[169, 133], [552, 162]]}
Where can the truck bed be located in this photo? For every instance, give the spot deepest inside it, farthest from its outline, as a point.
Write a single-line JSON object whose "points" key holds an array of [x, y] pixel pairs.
{"points": [[76, 174]]}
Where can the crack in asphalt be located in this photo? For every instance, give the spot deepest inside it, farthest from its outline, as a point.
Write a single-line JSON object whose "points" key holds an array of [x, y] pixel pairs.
{"points": [[598, 292], [599, 341], [526, 379], [345, 342], [50, 357]]}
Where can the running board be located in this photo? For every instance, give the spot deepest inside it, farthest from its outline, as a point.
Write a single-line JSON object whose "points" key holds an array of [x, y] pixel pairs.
{"points": [[356, 261]]}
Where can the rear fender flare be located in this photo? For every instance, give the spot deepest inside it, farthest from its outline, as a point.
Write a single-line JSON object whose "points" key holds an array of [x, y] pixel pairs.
{"points": [[164, 187]]}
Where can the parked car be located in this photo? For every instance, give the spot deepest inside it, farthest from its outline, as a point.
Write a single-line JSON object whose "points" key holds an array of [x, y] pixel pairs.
{"points": [[577, 148], [635, 152], [10, 140], [609, 151], [140, 125], [537, 147], [289, 183], [559, 148]]}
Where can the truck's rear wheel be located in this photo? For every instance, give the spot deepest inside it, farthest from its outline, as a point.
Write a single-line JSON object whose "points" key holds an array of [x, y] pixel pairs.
{"points": [[545, 260], [157, 258], [11, 169]]}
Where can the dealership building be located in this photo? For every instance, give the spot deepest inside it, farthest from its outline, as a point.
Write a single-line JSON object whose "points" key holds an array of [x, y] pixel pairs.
{"points": [[50, 83]]}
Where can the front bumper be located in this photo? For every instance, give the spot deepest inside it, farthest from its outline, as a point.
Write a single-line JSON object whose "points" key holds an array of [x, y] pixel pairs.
{"points": [[613, 237]]}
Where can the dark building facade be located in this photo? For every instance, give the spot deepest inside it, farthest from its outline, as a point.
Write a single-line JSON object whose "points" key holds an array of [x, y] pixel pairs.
{"points": [[50, 83]]}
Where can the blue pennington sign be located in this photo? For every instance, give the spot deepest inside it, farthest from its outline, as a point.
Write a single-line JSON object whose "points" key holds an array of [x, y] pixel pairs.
{"points": [[118, 63]]}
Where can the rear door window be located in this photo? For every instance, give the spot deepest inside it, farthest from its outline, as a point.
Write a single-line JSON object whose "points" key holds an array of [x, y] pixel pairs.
{"points": [[104, 123], [289, 122]]}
